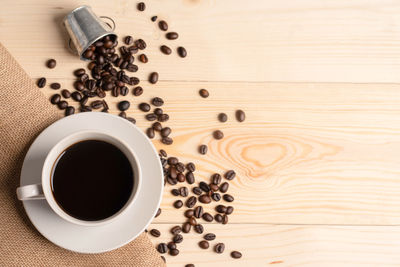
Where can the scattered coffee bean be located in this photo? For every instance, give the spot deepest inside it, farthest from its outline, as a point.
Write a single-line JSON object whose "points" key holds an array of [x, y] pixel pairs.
{"points": [[197, 191], [79, 72], [222, 117], [79, 86], [151, 117], [236, 254], [192, 221], [163, 153], [124, 90], [84, 100], [141, 6], [204, 93], [165, 49], [182, 51], [69, 110], [137, 91], [189, 177], [216, 197], [224, 187], [167, 140], [55, 99], [198, 212], [132, 68], [172, 181], [51, 63], [203, 149], [123, 105], [166, 131], [224, 219], [153, 18], [163, 117], [219, 248], [153, 78], [186, 227], [183, 191], [209, 237], [171, 245], [178, 238], [150, 133], [141, 44], [173, 160], [220, 208], [207, 217], [163, 25], [229, 175], [155, 232], [62, 104], [143, 58], [158, 213], [218, 218], [97, 104], [191, 202], [189, 265], [41, 82], [122, 114], [176, 230], [172, 35], [204, 186], [205, 199], [174, 252], [181, 178], [204, 244], [216, 178], [218, 134], [162, 248], [178, 204], [172, 172], [229, 210], [175, 192], [214, 187], [158, 111], [157, 101], [55, 86], [65, 93], [128, 40], [131, 119], [189, 213], [228, 198], [240, 115], [180, 167], [191, 167]]}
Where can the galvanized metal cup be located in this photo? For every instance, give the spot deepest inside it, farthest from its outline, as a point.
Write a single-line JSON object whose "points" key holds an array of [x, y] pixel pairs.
{"points": [[85, 28]]}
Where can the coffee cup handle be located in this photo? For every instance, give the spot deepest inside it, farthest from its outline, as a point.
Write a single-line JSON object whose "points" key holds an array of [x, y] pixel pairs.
{"points": [[30, 192]]}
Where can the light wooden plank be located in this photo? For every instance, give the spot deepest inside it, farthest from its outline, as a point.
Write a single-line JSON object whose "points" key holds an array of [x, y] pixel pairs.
{"points": [[307, 153], [283, 245], [228, 40]]}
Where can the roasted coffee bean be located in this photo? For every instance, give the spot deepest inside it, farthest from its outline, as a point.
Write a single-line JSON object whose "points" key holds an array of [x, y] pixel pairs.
{"points": [[163, 25], [108, 44], [172, 35], [156, 126], [134, 81], [41, 82], [128, 40], [191, 202], [222, 117], [151, 117], [172, 160], [137, 91], [204, 186], [158, 213], [91, 65], [236, 254], [189, 177], [124, 90], [97, 104], [158, 111], [180, 167], [204, 93], [186, 227], [141, 44], [175, 192], [204, 199], [165, 49], [207, 217], [124, 64], [174, 252], [84, 78], [123, 105], [203, 149], [178, 204], [197, 191], [65, 93], [79, 85], [176, 230], [218, 218], [228, 198], [172, 172], [189, 265], [133, 49], [198, 228], [219, 248], [88, 54], [132, 68], [100, 93], [190, 166], [229, 175], [181, 177], [55, 86], [224, 187], [167, 140], [144, 107], [189, 213], [209, 236], [224, 219], [204, 244], [214, 187], [183, 191], [192, 221], [150, 133], [216, 178], [240, 115], [84, 100], [218, 134], [153, 18], [229, 210], [198, 212], [220, 208], [143, 58], [85, 109], [178, 238], [216, 197], [155, 232], [171, 245], [79, 72], [153, 78], [141, 6], [166, 131], [163, 117], [157, 101], [182, 51], [162, 248], [55, 99], [76, 96], [69, 110], [51, 63], [163, 153], [62, 104]]}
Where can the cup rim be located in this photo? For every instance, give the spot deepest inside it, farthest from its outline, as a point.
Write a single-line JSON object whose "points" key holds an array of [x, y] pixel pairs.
{"points": [[48, 166]]}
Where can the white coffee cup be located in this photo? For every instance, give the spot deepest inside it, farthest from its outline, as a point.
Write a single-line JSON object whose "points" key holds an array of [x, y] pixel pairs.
{"points": [[44, 189]]}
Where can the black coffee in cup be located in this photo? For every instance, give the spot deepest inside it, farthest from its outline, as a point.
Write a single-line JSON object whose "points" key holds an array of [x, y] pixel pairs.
{"points": [[92, 180]]}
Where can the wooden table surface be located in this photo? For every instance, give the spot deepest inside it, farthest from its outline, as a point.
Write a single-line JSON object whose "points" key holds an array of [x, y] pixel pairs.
{"points": [[318, 158]]}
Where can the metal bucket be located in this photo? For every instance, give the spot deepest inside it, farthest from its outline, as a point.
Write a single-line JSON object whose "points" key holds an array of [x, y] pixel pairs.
{"points": [[85, 28]]}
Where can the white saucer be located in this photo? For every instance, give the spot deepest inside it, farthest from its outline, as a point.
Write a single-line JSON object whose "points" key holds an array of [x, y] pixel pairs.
{"points": [[95, 239]]}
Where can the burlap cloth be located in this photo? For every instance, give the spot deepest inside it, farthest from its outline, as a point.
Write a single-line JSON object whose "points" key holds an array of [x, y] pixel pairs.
{"points": [[24, 113]]}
